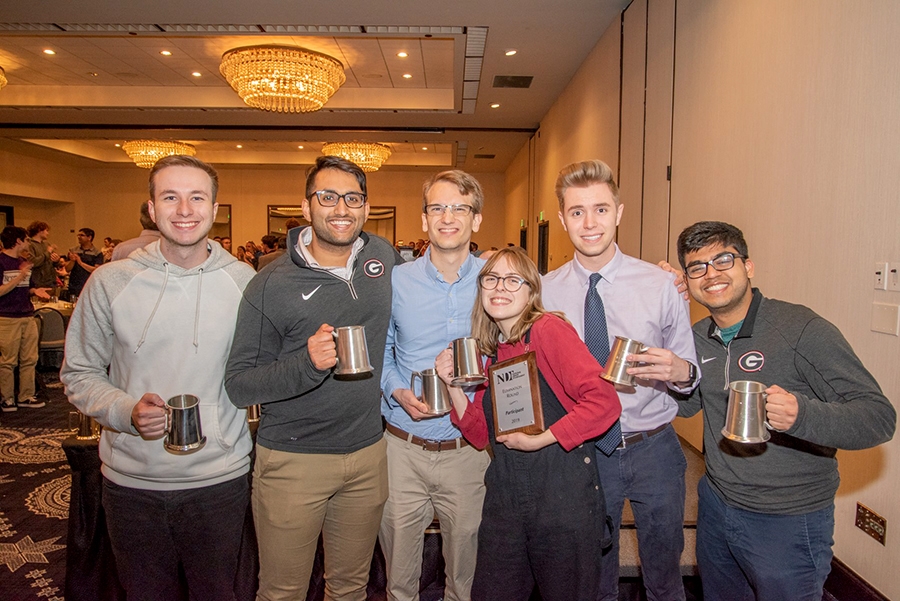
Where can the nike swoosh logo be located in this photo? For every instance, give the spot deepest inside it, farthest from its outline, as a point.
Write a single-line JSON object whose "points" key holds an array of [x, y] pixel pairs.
{"points": [[702, 360], [308, 296]]}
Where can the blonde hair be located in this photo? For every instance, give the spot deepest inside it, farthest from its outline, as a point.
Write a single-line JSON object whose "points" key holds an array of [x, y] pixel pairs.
{"points": [[484, 328], [582, 175]]}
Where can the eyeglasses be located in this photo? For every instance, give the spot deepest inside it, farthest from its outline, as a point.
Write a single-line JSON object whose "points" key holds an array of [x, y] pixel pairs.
{"points": [[722, 262], [457, 210], [330, 198], [511, 283]]}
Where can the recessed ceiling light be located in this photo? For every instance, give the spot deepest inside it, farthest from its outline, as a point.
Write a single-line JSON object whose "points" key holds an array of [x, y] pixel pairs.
{"points": [[118, 146], [48, 51], [165, 53], [300, 147], [511, 52], [239, 146], [496, 105], [196, 74], [424, 148], [93, 74], [402, 54], [407, 76]]}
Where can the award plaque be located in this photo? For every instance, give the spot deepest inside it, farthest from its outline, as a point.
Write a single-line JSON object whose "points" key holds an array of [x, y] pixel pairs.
{"points": [[516, 396]]}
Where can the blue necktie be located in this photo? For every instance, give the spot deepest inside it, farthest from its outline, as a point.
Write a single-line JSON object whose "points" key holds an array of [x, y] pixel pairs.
{"points": [[596, 337]]}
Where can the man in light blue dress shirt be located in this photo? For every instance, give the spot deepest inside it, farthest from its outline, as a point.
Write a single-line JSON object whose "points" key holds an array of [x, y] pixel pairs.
{"points": [[432, 470], [641, 303]]}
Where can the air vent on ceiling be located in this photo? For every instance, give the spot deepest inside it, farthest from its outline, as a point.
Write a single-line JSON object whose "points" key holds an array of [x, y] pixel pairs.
{"points": [[512, 81], [485, 156]]}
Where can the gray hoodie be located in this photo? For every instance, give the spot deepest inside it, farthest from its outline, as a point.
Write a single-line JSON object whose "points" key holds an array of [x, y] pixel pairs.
{"points": [[159, 328]]}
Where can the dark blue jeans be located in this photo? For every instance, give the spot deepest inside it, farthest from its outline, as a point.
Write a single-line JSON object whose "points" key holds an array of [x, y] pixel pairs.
{"points": [[153, 532], [748, 556], [650, 474]]}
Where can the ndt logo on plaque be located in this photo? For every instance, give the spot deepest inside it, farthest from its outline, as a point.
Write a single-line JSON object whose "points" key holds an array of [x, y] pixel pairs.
{"points": [[751, 361]]}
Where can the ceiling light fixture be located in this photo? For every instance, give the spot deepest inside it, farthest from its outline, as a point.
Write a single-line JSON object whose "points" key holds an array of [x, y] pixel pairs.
{"points": [[196, 74], [286, 79], [145, 153], [402, 54], [165, 53], [496, 105], [407, 76], [370, 156], [511, 52], [240, 146], [300, 147], [3, 80], [48, 51]]}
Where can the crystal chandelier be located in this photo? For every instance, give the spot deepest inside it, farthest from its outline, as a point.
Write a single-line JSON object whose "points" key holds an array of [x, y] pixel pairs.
{"points": [[145, 153], [3, 80], [286, 79], [368, 155]]}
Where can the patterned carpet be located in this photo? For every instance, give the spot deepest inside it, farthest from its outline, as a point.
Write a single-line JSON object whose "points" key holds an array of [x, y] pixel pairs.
{"points": [[34, 500]]}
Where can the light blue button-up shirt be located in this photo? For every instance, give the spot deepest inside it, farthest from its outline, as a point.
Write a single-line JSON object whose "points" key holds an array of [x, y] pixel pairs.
{"points": [[427, 314], [641, 303]]}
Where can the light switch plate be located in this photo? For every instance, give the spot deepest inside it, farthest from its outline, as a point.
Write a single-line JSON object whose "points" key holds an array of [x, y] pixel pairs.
{"points": [[893, 277], [886, 318], [880, 274]]}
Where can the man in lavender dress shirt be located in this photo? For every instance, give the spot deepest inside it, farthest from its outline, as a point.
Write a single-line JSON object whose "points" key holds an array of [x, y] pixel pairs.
{"points": [[640, 302]]}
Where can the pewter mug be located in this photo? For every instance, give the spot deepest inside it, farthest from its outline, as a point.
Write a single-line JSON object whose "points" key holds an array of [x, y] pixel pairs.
{"points": [[434, 392], [616, 364], [352, 352], [745, 420], [468, 366], [183, 432], [86, 428]]}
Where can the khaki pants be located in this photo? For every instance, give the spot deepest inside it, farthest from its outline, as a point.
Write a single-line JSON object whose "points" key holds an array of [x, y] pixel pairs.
{"points": [[422, 484], [18, 346], [296, 496]]}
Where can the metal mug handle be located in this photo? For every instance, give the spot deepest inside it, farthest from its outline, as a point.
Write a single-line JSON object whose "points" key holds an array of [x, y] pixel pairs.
{"points": [[412, 382], [766, 423]]}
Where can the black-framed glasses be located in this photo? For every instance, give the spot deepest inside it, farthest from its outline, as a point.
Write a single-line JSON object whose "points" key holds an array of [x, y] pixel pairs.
{"points": [[459, 210], [721, 262], [511, 283], [330, 198]]}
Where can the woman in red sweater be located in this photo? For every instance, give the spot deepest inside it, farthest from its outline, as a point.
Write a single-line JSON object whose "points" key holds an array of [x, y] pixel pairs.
{"points": [[544, 518]]}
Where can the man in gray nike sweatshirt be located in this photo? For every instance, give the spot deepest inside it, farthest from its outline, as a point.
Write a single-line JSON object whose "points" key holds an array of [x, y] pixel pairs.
{"points": [[766, 516], [320, 463]]}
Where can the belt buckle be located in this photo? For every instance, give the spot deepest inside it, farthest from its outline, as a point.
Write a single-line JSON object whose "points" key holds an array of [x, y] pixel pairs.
{"points": [[622, 444], [426, 441]]}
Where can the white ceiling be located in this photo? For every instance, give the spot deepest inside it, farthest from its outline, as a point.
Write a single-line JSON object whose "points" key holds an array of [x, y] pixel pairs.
{"points": [[108, 82]]}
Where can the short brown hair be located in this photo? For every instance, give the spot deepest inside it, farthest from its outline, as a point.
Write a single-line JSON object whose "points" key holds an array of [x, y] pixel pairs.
{"points": [[582, 175], [35, 227], [334, 162], [183, 160], [465, 183]]}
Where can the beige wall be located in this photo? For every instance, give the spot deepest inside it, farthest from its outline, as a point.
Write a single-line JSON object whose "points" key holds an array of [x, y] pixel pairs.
{"points": [[787, 124], [79, 193]]}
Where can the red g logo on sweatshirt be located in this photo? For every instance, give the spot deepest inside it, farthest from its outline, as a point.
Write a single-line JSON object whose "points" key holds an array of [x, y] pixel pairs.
{"points": [[752, 361], [374, 268]]}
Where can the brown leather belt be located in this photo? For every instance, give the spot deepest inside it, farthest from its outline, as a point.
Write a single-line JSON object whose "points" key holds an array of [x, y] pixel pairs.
{"points": [[633, 438], [426, 444]]}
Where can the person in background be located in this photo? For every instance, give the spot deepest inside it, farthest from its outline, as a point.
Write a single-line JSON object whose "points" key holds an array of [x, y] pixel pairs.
{"points": [[83, 260], [544, 520], [43, 256], [107, 249], [279, 250], [226, 243], [432, 470], [243, 256], [765, 526], [320, 454], [149, 234], [18, 329], [643, 461], [156, 325]]}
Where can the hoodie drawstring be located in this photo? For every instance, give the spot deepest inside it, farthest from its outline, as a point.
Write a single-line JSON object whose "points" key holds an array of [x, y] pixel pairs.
{"points": [[197, 314], [162, 291]]}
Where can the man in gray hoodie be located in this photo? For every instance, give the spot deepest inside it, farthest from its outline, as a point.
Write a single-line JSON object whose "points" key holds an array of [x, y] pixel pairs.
{"points": [[766, 515], [150, 327]]}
